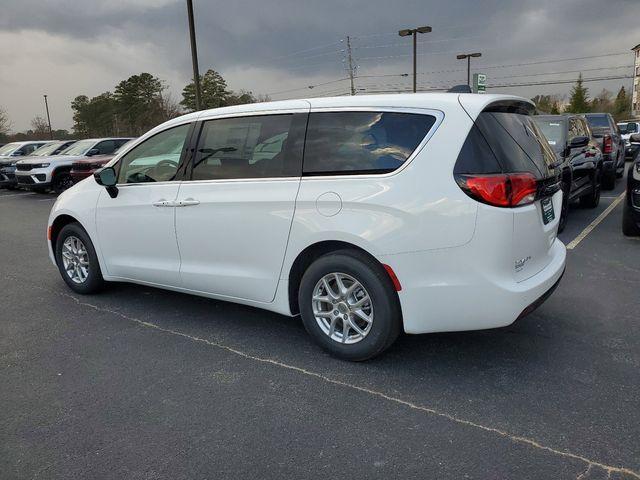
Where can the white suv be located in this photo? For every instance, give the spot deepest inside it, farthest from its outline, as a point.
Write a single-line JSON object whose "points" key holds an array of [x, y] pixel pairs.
{"points": [[366, 215], [52, 172]]}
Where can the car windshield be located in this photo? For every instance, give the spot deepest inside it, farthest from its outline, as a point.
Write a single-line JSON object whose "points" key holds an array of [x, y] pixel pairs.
{"points": [[46, 149], [553, 130], [598, 121], [79, 148], [9, 148], [630, 127]]}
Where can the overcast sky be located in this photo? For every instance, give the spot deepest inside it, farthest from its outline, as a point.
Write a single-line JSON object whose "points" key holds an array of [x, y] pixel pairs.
{"points": [[65, 48]]}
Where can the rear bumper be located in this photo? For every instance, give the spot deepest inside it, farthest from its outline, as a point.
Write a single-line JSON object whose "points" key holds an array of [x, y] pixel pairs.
{"points": [[454, 291]]}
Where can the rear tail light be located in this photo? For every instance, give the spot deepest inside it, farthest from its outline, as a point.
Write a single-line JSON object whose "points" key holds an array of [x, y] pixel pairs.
{"points": [[607, 144], [500, 190]]}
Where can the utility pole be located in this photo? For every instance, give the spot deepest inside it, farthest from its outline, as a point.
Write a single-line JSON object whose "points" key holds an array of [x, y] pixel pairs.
{"points": [[414, 31], [350, 59], [194, 53], [468, 57], [46, 106]]}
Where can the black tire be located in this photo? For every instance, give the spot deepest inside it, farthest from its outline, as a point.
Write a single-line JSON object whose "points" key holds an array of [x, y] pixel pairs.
{"points": [[387, 320], [94, 281], [609, 180], [592, 199], [564, 212], [629, 226], [61, 181]]}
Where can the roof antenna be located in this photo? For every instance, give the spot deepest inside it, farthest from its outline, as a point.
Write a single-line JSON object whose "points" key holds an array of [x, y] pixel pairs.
{"points": [[460, 89]]}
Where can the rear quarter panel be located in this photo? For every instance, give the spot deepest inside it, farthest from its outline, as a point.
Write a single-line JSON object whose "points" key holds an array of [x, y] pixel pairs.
{"points": [[418, 207]]}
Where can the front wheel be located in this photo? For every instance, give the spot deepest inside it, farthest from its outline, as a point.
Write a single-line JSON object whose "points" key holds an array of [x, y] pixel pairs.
{"points": [[61, 182], [349, 306], [77, 260]]}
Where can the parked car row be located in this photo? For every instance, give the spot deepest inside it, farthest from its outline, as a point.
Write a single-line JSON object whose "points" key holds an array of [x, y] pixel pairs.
{"points": [[631, 209], [54, 165]]}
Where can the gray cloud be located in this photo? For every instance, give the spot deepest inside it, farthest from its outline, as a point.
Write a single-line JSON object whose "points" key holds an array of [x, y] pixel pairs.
{"points": [[87, 47]]}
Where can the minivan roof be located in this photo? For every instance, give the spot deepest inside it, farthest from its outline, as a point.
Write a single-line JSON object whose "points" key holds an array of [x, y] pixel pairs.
{"points": [[473, 103]]}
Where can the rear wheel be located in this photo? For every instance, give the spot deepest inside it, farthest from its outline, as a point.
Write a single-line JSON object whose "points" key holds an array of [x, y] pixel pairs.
{"points": [[61, 181], [592, 199], [349, 306], [609, 180], [629, 226], [77, 260]]}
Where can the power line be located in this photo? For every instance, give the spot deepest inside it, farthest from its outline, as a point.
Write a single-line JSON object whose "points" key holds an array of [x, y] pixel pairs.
{"points": [[566, 71], [421, 43], [558, 82], [553, 61]]}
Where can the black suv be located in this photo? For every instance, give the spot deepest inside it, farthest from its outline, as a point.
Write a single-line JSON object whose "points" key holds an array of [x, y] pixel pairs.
{"points": [[631, 211], [579, 158], [607, 133]]}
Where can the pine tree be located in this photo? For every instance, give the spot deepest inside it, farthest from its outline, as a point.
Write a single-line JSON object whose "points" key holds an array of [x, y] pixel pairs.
{"points": [[621, 109], [579, 102]]}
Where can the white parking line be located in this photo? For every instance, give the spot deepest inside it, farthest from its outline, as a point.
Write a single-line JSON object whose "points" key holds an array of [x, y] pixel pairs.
{"points": [[17, 194], [574, 243]]}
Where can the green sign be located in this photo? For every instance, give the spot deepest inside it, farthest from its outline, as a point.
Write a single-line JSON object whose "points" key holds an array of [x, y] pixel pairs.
{"points": [[479, 83]]}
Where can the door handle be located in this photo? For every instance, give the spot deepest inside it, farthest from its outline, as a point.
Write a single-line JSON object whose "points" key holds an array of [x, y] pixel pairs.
{"points": [[187, 202], [163, 203]]}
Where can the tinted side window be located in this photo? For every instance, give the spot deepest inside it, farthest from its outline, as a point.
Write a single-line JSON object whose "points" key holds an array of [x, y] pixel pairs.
{"points": [[106, 147], [517, 142], [362, 142], [260, 146], [156, 159]]}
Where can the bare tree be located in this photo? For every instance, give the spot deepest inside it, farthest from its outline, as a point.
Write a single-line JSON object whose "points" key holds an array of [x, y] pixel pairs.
{"points": [[5, 124], [40, 127]]}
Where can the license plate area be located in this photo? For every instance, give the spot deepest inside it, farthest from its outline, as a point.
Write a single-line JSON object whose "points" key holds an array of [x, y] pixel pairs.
{"points": [[548, 215]]}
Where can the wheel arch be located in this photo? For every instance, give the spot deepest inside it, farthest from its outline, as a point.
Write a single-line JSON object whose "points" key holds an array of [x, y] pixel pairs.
{"points": [[307, 256], [59, 223]]}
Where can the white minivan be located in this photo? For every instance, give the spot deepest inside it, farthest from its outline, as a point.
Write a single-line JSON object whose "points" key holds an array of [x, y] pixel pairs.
{"points": [[365, 215]]}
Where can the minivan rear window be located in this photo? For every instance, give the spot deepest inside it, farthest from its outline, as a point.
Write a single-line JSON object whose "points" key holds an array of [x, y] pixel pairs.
{"points": [[342, 143], [505, 142]]}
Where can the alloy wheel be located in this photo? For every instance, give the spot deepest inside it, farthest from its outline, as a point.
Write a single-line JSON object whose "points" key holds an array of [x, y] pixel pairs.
{"points": [[342, 308], [75, 259]]}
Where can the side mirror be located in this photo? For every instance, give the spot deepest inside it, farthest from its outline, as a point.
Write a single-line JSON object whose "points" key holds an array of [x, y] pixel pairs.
{"points": [[579, 142], [18, 153], [107, 178], [92, 152], [635, 138]]}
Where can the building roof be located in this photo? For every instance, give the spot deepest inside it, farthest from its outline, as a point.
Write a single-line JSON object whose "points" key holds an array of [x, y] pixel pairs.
{"points": [[637, 47]]}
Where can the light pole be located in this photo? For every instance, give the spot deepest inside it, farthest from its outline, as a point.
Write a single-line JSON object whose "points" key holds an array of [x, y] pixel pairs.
{"points": [[468, 57], [194, 53], [46, 106], [414, 32]]}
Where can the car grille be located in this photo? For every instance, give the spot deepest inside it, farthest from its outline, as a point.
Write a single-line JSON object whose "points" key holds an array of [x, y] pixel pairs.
{"points": [[23, 168]]}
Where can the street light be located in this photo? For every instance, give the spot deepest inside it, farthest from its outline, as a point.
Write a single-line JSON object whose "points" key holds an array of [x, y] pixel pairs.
{"points": [[468, 57], [46, 106], [194, 53], [414, 32]]}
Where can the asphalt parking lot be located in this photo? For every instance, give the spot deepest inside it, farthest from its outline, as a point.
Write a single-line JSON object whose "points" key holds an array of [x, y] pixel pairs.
{"points": [[140, 383]]}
